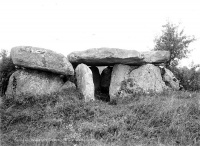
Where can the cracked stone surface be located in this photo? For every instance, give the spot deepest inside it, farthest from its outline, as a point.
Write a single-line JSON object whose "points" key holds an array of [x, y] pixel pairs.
{"points": [[41, 59], [85, 82], [112, 56], [33, 83], [129, 80]]}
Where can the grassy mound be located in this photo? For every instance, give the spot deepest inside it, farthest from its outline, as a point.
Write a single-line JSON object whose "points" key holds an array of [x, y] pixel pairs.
{"points": [[170, 118]]}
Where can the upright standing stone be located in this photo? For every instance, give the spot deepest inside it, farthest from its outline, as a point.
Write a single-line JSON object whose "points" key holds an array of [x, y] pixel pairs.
{"points": [[130, 81], [146, 78], [120, 73], [34, 83], [41, 59], [170, 80], [85, 81]]}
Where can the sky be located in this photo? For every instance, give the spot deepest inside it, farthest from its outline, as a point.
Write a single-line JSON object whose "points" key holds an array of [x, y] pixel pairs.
{"points": [[75, 25]]}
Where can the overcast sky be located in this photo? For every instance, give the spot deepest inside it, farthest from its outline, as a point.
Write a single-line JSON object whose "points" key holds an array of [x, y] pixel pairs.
{"points": [[72, 25]]}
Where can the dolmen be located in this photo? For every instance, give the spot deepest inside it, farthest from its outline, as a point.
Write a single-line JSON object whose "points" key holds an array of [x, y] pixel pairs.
{"points": [[38, 72], [126, 72]]}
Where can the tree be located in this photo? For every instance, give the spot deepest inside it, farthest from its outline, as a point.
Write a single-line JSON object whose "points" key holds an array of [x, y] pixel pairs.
{"points": [[6, 69], [175, 42]]}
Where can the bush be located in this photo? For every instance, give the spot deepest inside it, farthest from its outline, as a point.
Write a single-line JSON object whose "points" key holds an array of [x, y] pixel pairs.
{"points": [[189, 78]]}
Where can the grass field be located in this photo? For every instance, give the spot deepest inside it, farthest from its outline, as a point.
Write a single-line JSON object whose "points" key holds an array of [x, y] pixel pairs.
{"points": [[168, 119]]}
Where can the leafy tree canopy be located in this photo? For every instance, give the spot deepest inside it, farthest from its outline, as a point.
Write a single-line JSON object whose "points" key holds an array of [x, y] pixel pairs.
{"points": [[174, 41]]}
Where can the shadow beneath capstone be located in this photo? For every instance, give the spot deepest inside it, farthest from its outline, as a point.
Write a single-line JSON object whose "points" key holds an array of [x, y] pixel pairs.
{"points": [[102, 96]]}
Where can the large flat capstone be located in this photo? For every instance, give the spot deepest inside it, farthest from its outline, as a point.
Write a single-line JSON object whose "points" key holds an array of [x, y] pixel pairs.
{"points": [[41, 59], [112, 56]]}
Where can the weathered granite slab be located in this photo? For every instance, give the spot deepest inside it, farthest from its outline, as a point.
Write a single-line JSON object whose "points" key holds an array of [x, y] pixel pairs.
{"points": [[41, 59], [112, 56]]}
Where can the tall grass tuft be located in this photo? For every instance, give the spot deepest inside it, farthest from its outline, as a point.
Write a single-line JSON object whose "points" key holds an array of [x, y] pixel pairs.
{"points": [[170, 118]]}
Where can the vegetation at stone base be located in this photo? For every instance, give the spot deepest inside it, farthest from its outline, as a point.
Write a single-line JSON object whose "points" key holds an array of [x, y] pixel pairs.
{"points": [[170, 118], [174, 41]]}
